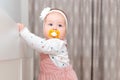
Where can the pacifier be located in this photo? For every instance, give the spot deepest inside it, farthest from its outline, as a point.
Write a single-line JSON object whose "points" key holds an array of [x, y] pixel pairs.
{"points": [[54, 33]]}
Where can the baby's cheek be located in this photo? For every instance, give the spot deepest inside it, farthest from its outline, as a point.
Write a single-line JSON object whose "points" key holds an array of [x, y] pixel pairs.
{"points": [[45, 32], [62, 34]]}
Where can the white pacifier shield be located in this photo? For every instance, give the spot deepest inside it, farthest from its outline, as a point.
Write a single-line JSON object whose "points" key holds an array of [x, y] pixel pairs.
{"points": [[54, 34]]}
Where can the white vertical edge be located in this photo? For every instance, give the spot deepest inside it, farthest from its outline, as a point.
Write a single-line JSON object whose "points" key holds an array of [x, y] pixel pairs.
{"points": [[32, 70], [24, 20], [21, 69]]}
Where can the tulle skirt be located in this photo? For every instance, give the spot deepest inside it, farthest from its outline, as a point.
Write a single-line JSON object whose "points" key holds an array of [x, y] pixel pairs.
{"points": [[49, 71]]}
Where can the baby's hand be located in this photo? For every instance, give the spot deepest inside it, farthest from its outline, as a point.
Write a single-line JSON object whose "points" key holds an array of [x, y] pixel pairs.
{"points": [[20, 26]]}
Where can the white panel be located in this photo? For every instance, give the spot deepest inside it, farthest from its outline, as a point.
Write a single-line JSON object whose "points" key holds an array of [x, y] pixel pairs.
{"points": [[12, 7], [16, 59], [10, 40], [10, 70]]}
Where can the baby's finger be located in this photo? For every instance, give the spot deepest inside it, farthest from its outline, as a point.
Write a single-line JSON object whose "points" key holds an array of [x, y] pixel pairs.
{"points": [[20, 26]]}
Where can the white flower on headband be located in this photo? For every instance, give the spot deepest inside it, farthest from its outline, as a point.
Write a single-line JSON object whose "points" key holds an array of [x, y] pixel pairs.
{"points": [[44, 13]]}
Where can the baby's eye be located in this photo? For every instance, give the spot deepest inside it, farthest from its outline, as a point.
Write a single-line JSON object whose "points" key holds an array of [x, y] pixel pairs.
{"points": [[60, 25], [50, 24]]}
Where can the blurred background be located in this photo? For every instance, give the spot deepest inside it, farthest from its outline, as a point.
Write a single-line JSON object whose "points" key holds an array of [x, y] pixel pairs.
{"points": [[93, 37]]}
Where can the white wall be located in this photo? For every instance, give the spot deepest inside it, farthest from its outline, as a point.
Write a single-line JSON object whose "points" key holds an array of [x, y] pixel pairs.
{"points": [[20, 68], [13, 8], [10, 70]]}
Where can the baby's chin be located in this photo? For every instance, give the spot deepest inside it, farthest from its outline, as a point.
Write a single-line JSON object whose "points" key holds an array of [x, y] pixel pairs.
{"points": [[61, 38]]}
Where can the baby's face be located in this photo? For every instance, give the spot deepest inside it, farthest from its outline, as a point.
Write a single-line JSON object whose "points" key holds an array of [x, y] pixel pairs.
{"points": [[55, 21]]}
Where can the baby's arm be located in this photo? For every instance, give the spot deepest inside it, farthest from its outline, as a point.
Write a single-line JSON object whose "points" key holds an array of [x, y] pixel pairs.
{"points": [[51, 46], [32, 40]]}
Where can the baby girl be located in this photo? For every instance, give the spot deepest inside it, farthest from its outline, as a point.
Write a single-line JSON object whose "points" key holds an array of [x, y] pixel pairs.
{"points": [[54, 60]]}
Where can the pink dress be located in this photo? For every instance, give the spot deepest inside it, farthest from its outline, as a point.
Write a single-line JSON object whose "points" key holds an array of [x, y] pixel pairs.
{"points": [[49, 71]]}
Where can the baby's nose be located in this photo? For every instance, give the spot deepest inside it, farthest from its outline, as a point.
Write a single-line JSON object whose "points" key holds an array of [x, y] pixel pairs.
{"points": [[54, 28]]}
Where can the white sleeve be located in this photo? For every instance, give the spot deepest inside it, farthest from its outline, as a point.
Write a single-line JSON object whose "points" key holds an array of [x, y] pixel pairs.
{"points": [[51, 46], [32, 40]]}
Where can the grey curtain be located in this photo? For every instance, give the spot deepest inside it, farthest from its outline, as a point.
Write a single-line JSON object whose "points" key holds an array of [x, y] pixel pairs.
{"points": [[106, 54], [93, 35]]}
